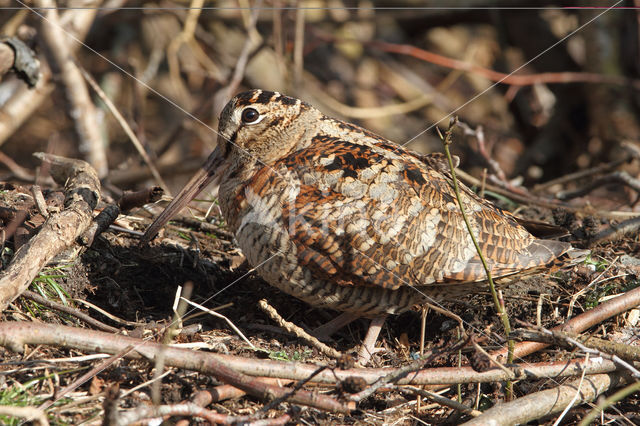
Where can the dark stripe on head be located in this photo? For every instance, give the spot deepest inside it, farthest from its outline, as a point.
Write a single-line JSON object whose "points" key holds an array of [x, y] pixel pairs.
{"points": [[264, 98], [287, 100], [244, 98]]}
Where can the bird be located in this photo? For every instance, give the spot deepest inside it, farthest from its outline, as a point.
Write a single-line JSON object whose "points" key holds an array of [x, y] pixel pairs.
{"points": [[342, 218]]}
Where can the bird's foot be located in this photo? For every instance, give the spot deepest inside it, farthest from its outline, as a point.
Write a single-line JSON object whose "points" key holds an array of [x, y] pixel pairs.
{"points": [[325, 331], [368, 347]]}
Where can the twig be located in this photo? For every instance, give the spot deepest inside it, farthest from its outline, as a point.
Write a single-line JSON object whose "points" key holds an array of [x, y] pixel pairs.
{"points": [[395, 375], [38, 198], [185, 36], [7, 57], [86, 376], [17, 170], [615, 232], [491, 358], [125, 126], [440, 400], [283, 398], [109, 315], [15, 335], [478, 133], [298, 47], [543, 202], [215, 314], [100, 223], [614, 177], [16, 56], [297, 331], [616, 352], [144, 411], [131, 200], [495, 76], [104, 220], [502, 314], [608, 309], [27, 100], [28, 414], [540, 404], [583, 290], [579, 175], [609, 401], [82, 109], [82, 190], [68, 310], [243, 58]]}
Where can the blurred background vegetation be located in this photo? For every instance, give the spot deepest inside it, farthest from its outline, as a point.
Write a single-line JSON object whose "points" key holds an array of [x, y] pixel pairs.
{"points": [[395, 67]]}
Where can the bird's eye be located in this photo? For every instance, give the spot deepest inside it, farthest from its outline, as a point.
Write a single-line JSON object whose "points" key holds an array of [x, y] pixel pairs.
{"points": [[250, 115]]}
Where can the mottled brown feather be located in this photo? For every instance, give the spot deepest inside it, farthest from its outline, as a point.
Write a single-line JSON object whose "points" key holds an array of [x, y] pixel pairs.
{"points": [[343, 218]]}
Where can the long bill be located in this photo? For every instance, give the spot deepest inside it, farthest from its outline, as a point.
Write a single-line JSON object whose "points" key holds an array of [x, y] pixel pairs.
{"points": [[207, 174]]}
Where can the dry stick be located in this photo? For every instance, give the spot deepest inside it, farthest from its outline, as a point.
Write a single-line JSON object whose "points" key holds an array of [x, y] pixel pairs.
{"points": [[551, 401], [495, 76], [86, 376], [241, 64], [603, 404], [616, 352], [478, 133], [543, 202], [127, 129], [395, 375], [26, 101], [7, 57], [82, 192], [18, 171], [110, 213], [614, 177], [615, 232], [297, 331], [579, 175], [446, 141], [321, 95], [183, 37], [28, 414], [440, 400], [130, 177], [23, 104], [14, 335], [192, 410], [608, 309], [298, 48], [82, 109], [22, 60], [68, 310]]}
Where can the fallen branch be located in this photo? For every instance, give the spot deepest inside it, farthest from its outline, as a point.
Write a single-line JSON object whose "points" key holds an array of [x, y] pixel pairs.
{"points": [[620, 177], [600, 313], [584, 343], [14, 335], [551, 401], [82, 192]]}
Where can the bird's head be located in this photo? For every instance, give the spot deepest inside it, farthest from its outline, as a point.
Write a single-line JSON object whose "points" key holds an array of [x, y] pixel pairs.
{"points": [[256, 128]]}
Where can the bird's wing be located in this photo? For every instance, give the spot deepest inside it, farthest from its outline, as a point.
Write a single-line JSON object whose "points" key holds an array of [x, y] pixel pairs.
{"points": [[363, 215]]}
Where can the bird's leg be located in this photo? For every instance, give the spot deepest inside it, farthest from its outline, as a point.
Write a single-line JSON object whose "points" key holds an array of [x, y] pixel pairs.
{"points": [[369, 343], [325, 331]]}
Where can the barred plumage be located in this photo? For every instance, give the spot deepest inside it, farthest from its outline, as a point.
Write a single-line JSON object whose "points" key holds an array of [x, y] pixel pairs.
{"points": [[345, 219]]}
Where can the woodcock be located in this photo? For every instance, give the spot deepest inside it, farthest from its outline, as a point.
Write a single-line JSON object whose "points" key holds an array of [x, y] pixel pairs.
{"points": [[341, 218]]}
